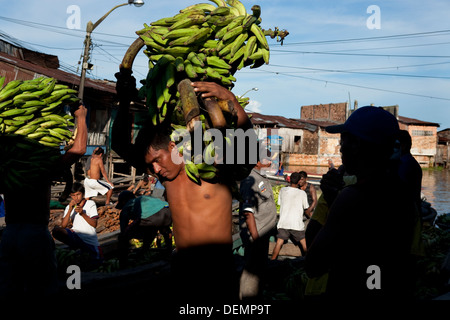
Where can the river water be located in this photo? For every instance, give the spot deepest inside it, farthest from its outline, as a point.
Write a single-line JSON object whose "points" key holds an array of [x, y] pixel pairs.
{"points": [[436, 189], [435, 185]]}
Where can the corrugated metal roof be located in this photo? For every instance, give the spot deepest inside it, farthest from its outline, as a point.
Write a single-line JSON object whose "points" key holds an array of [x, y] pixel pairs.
{"points": [[272, 121], [412, 121], [60, 75]]}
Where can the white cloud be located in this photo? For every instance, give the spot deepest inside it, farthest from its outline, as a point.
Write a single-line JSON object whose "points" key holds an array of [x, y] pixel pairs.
{"points": [[254, 106]]}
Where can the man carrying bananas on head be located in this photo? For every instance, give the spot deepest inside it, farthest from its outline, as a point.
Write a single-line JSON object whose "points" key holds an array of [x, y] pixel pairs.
{"points": [[27, 250], [203, 266]]}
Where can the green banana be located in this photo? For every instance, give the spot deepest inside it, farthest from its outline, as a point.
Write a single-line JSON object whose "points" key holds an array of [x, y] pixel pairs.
{"points": [[37, 135], [179, 41], [11, 122], [205, 7], [177, 51], [56, 134], [237, 55], [233, 33], [187, 22], [6, 104], [179, 64], [205, 167], [10, 85], [169, 75], [192, 171], [12, 112], [6, 94], [237, 44], [221, 11], [238, 5], [195, 60], [189, 69], [250, 47], [208, 175], [256, 30], [219, 3], [49, 124], [182, 32], [266, 55], [24, 118], [217, 62], [200, 35], [26, 130]]}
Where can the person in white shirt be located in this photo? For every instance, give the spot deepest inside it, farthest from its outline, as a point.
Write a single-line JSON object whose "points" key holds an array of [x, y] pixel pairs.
{"points": [[83, 215], [293, 201]]}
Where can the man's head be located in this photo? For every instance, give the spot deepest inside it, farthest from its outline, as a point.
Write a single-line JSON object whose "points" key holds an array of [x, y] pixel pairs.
{"points": [[99, 151], [159, 152], [367, 138], [302, 179], [295, 178], [123, 198], [77, 192], [405, 141]]}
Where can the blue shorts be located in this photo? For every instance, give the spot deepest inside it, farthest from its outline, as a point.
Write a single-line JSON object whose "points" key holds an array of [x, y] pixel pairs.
{"points": [[75, 242]]}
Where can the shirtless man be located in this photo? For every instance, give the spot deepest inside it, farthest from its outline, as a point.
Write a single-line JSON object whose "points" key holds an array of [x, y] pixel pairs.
{"points": [[92, 184], [203, 266]]}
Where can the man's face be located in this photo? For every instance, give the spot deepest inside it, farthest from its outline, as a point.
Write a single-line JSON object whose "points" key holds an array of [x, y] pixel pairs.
{"points": [[349, 151], [302, 181], [77, 196], [160, 162]]}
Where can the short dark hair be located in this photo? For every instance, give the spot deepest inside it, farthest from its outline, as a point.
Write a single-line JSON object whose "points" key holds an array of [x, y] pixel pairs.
{"points": [[77, 187], [295, 177], [303, 174], [405, 139], [99, 151], [157, 138]]}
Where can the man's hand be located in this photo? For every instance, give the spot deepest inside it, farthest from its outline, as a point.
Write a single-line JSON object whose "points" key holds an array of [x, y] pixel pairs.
{"points": [[331, 183], [212, 89], [81, 112], [126, 84]]}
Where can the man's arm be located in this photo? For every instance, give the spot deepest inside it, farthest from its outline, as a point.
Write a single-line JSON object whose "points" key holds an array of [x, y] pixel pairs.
{"points": [[91, 217], [78, 148], [251, 224], [121, 130], [312, 206], [212, 89], [103, 171], [66, 218]]}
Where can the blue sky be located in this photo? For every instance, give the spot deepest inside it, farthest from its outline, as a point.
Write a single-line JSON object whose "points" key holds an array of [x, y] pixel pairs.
{"points": [[330, 55]]}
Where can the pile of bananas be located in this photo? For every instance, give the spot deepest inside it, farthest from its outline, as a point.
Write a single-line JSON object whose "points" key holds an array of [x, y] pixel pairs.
{"points": [[204, 42], [32, 127]]}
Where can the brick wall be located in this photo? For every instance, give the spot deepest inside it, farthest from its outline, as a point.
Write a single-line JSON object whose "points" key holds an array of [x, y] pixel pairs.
{"points": [[331, 112]]}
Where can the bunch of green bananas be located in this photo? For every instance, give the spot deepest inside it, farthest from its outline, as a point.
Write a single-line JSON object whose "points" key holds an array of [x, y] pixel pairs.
{"points": [[204, 42], [32, 127]]}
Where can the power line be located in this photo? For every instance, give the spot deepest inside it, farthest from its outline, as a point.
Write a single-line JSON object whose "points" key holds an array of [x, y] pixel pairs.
{"points": [[359, 72], [392, 37], [360, 54], [356, 86]]}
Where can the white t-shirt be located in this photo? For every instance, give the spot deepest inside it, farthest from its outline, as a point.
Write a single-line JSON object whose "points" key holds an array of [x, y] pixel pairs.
{"points": [[84, 230], [293, 202]]}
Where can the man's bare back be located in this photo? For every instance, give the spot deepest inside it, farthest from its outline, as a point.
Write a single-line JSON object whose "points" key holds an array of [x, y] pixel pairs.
{"points": [[95, 171]]}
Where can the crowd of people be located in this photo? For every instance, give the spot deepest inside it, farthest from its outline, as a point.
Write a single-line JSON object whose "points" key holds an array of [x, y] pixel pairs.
{"points": [[358, 222]]}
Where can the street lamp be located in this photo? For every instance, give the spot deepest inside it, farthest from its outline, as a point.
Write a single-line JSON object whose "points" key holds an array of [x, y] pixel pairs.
{"points": [[87, 42], [252, 89]]}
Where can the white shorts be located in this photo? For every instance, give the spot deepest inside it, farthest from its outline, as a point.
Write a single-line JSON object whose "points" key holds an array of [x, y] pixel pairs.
{"points": [[92, 187]]}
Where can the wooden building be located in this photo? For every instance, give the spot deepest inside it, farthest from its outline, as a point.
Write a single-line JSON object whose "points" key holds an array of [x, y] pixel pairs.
{"points": [[443, 148]]}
